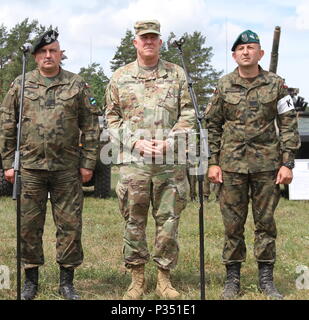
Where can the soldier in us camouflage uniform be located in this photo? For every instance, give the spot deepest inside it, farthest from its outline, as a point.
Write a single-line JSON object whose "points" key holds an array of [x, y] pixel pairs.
{"points": [[248, 155], [150, 95], [57, 108]]}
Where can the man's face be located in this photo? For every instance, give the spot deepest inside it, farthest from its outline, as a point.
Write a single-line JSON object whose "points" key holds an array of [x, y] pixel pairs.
{"points": [[48, 58], [148, 45], [247, 55]]}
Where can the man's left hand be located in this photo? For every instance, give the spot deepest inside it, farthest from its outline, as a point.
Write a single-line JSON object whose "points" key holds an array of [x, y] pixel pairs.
{"points": [[86, 174], [160, 146], [285, 176]]}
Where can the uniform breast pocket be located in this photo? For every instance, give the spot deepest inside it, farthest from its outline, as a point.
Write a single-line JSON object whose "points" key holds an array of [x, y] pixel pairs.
{"points": [[31, 103], [231, 107], [168, 106], [131, 103], [268, 103], [67, 102]]}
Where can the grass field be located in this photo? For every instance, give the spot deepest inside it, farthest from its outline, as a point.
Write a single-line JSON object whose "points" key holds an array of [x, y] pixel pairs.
{"points": [[103, 277]]}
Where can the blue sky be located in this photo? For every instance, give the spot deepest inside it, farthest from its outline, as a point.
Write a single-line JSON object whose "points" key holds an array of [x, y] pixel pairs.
{"points": [[91, 30]]}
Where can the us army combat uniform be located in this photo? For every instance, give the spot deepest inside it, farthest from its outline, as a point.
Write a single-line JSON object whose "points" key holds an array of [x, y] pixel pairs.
{"points": [[155, 100], [55, 112], [243, 142]]}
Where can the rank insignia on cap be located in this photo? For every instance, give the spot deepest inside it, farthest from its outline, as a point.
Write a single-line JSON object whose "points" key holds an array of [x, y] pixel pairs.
{"points": [[244, 37], [50, 37]]}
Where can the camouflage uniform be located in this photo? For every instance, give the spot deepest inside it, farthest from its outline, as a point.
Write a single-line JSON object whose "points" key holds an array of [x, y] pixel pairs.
{"points": [[54, 115], [243, 142], [154, 100], [207, 186]]}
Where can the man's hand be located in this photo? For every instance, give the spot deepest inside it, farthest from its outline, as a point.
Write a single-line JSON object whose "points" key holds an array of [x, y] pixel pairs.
{"points": [[9, 175], [285, 176], [215, 174], [161, 146], [86, 174], [151, 148]]}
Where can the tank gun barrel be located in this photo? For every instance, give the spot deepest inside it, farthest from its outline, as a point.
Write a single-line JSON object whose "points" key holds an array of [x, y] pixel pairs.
{"points": [[275, 50]]}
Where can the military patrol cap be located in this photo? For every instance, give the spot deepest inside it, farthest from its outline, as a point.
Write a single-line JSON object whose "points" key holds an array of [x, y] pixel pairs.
{"points": [[245, 37], [147, 26], [45, 39]]}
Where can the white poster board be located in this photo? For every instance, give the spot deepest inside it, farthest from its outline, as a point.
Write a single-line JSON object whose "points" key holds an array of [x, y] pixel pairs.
{"points": [[299, 188]]}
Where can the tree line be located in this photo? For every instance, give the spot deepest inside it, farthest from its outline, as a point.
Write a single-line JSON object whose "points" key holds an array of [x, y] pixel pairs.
{"points": [[197, 57]]}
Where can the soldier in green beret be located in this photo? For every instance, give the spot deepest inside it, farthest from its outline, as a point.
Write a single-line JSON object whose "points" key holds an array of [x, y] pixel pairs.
{"points": [[248, 157], [150, 95], [57, 111]]}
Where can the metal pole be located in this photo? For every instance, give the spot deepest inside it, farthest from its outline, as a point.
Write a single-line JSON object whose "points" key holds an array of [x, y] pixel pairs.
{"points": [[17, 179], [201, 171]]}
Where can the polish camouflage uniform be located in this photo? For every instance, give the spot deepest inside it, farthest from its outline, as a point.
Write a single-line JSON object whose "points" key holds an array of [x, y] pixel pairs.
{"points": [[53, 117], [152, 101], [243, 142], [208, 187]]}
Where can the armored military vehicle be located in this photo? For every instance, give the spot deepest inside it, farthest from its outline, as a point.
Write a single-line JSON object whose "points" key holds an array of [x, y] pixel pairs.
{"points": [[300, 104]]}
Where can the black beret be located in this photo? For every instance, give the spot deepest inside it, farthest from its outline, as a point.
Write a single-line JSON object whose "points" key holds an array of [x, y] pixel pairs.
{"points": [[45, 39]]}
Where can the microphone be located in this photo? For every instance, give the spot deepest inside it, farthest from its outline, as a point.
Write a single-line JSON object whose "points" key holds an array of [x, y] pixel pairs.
{"points": [[176, 43], [26, 47]]}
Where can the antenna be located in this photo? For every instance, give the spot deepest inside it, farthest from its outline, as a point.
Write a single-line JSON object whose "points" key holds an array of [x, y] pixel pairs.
{"points": [[90, 51], [226, 45]]}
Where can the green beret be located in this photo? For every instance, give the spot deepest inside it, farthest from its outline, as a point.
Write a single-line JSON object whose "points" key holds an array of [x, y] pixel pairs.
{"points": [[147, 26], [45, 39], [245, 37]]}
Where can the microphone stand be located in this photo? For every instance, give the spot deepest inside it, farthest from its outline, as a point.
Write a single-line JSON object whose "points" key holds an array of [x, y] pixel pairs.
{"points": [[200, 171], [17, 177]]}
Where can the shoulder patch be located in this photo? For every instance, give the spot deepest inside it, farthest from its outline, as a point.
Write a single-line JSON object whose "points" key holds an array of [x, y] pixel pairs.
{"points": [[93, 101]]}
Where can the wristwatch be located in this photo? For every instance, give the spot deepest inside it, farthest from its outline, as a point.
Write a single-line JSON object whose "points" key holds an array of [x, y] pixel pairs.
{"points": [[289, 164]]}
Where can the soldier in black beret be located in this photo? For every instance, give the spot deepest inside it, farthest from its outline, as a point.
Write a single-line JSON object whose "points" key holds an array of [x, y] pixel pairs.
{"points": [[57, 108]]}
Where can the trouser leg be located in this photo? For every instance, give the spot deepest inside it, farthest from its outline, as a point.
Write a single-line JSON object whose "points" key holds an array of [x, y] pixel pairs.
{"points": [[234, 209], [265, 197], [67, 204], [33, 212], [133, 190], [169, 199]]}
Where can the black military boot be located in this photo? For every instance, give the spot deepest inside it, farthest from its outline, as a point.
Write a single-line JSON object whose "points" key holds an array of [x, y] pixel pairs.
{"points": [[266, 281], [232, 282], [30, 288], [66, 288]]}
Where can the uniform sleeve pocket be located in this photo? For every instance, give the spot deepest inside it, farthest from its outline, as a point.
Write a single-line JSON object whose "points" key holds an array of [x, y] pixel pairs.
{"points": [[122, 193]]}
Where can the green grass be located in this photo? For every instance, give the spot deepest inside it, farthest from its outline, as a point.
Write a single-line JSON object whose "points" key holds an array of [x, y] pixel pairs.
{"points": [[103, 277]]}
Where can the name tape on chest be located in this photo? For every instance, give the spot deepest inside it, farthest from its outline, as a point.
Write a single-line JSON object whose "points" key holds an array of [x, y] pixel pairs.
{"points": [[285, 104]]}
